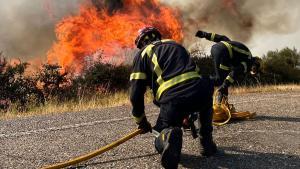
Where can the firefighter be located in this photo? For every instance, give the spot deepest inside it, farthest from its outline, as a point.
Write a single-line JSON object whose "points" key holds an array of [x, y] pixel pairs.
{"points": [[231, 59], [166, 67]]}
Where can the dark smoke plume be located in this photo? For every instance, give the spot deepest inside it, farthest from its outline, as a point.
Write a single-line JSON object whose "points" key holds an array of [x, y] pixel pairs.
{"points": [[110, 5], [240, 19]]}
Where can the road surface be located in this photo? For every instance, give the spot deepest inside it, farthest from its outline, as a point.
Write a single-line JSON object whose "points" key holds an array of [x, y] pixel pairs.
{"points": [[271, 140]]}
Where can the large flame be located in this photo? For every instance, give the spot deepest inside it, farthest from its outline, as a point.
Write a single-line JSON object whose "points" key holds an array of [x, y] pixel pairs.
{"points": [[95, 31]]}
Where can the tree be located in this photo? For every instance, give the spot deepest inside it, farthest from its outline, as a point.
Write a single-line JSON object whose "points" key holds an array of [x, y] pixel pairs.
{"points": [[282, 65]]}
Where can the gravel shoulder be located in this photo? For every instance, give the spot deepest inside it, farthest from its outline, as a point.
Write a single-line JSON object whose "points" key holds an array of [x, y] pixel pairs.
{"points": [[271, 140]]}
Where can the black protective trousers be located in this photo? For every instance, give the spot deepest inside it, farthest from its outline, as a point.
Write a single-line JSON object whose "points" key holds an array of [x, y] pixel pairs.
{"points": [[173, 112], [220, 56]]}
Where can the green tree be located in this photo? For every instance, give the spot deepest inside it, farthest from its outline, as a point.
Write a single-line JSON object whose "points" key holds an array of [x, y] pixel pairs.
{"points": [[282, 65]]}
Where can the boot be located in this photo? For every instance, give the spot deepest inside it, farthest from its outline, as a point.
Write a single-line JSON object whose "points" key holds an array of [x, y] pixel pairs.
{"points": [[169, 144], [209, 148]]}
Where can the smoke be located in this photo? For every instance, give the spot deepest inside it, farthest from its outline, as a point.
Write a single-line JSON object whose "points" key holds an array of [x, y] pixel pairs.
{"points": [[27, 27], [243, 20]]}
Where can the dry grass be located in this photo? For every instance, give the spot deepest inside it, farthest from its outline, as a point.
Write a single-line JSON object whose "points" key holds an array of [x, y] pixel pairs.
{"points": [[104, 100], [122, 98], [99, 101]]}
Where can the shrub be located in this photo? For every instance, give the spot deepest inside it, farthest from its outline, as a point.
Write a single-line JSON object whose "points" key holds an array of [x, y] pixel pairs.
{"points": [[55, 83], [17, 89], [105, 77], [281, 66]]}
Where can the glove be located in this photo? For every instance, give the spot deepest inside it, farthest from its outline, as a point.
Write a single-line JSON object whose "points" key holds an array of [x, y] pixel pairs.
{"points": [[145, 126], [200, 34]]}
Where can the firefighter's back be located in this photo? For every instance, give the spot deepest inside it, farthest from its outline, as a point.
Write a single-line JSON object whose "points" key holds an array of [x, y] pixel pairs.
{"points": [[175, 60], [241, 53]]}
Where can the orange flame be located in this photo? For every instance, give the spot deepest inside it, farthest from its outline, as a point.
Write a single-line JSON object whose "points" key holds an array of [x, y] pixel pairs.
{"points": [[94, 31]]}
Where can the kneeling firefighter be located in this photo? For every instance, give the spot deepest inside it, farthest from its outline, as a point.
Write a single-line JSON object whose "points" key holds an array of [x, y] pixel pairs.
{"points": [[231, 59], [166, 67]]}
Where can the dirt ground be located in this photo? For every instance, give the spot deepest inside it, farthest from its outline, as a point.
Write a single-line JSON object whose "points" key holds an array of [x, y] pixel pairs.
{"points": [[271, 140]]}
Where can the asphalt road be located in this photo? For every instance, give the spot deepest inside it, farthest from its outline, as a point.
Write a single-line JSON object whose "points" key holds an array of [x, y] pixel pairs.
{"points": [[271, 140]]}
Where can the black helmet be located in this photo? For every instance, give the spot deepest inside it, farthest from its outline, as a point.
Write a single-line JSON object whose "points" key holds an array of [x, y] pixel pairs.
{"points": [[146, 35]]}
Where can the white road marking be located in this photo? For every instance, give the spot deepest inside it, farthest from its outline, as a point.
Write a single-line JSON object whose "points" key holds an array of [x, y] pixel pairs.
{"points": [[65, 127], [61, 128]]}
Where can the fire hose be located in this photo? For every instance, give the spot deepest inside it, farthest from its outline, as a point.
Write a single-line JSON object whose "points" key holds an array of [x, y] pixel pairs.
{"points": [[94, 153], [219, 115], [224, 112]]}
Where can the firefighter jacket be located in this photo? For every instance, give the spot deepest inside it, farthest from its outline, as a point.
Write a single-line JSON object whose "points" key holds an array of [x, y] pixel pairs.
{"points": [[167, 68], [238, 58], [215, 37]]}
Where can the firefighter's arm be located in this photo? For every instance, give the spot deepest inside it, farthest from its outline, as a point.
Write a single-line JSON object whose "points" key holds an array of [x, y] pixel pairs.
{"points": [[212, 36], [232, 76], [138, 86], [138, 89]]}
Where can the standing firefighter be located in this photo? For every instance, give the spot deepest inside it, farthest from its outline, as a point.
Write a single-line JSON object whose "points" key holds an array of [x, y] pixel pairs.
{"points": [[166, 67], [231, 59]]}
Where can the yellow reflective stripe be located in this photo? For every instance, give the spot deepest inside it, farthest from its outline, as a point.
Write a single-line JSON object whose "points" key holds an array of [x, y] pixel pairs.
{"points": [[139, 119], [224, 67], [147, 50], [138, 75], [174, 81], [156, 68], [230, 79], [212, 37], [245, 66], [160, 80], [242, 51], [229, 47]]}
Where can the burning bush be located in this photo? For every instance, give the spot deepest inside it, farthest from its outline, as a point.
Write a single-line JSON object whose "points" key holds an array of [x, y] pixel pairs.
{"points": [[110, 26]]}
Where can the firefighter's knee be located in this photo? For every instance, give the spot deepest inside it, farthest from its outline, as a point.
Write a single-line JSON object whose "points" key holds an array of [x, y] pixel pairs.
{"points": [[160, 141]]}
